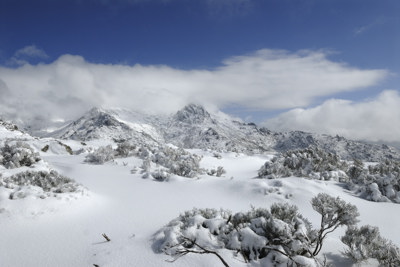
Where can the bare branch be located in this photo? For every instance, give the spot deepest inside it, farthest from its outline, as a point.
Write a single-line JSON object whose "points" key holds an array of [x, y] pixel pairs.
{"points": [[202, 250], [106, 237]]}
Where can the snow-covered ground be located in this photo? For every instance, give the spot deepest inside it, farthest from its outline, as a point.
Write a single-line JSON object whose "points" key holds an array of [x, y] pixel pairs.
{"points": [[67, 230]]}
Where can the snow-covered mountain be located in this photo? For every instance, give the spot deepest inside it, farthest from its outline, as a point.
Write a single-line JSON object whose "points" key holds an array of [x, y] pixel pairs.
{"points": [[195, 127], [117, 125], [10, 130]]}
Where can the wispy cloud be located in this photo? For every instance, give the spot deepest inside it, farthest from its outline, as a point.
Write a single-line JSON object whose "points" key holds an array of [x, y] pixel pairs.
{"points": [[367, 27], [375, 119], [23, 55], [266, 79]]}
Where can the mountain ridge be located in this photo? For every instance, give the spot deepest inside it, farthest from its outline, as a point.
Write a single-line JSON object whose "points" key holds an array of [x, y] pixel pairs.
{"points": [[194, 127]]}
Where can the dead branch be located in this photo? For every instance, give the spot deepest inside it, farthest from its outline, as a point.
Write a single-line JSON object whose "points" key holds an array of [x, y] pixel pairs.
{"points": [[106, 237]]}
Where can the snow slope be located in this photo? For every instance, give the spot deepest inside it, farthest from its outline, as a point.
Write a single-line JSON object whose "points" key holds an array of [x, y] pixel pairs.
{"points": [[130, 210]]}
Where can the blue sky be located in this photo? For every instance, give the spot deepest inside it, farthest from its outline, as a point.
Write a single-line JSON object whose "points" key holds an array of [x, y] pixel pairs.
{"points": [[203, 43], [200, 34]]}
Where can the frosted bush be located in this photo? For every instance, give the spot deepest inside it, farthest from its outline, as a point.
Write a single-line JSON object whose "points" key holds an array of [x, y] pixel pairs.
{"points": [[276, 234], [101, 155], [311, 162], [160, 175], [379, 182], [125, 149], [219, 171], [41, 182], [18, 154], [366, 242], [178, 161]]}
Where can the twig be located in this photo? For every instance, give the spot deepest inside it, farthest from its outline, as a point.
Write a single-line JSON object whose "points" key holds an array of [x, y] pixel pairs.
{"points": [[183, 252], [106, 237]]}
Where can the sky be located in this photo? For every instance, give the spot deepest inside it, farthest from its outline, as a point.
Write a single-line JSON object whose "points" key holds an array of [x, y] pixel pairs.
{"points": [[325, 66]]}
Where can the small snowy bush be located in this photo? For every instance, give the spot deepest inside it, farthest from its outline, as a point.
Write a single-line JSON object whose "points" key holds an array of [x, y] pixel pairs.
{"points": [[217, 172], [279, 234], [366, 242], [311, 162], [380, 182], [101, 155], [334, 212], [18, 154], [174, 160], [125, 149], [40, 182], [160, 175], [178, 161]]}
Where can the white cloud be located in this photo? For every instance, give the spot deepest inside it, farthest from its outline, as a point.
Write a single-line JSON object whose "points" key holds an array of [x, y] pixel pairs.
{"points": [[23, 55], [31, 51], [375, 119], [267, 79]]}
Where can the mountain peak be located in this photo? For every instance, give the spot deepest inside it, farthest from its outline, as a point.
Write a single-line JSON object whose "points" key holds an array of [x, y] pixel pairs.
{"points": [[193, 114]]}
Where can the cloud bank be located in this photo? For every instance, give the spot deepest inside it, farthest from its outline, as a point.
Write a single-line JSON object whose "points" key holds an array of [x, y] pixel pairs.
{"points": [[266, 80], [375, 119]]}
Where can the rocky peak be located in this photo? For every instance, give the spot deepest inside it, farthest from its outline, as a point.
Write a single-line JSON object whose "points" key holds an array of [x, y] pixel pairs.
{"points": [[192, 114]]}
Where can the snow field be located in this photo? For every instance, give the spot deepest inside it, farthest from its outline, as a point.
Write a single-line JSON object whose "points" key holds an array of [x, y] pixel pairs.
{"points": [[130, 210]]}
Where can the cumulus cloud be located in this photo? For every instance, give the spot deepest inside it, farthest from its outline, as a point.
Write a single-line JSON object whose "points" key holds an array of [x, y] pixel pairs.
{"points": [[375, 119], [266, 79], [23, 55]]}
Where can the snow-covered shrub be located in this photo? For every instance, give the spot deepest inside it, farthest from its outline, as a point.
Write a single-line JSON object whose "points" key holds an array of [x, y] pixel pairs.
{"points": [[334, 212], [269, 234], [380, 182], [217, 155], [17, 154], [366, 242], [311, 162], [42, 182], [101, 155], [217, 172], [125, 149], [160, 175], [178, 161]]}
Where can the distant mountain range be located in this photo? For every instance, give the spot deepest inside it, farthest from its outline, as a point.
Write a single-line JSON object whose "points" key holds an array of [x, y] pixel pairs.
{"points": [[195, 127]]}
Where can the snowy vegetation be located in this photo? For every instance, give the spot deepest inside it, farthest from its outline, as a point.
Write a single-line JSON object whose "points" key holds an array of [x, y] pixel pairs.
{"points": [[101, 155], [378, 182], [366, 242], [279, 235], [17, 154], [39, 183], [311, 162], [168, 160]]}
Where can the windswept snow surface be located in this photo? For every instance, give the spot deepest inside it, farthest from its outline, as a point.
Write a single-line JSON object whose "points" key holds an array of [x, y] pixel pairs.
{"points": [[130, 210]]}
